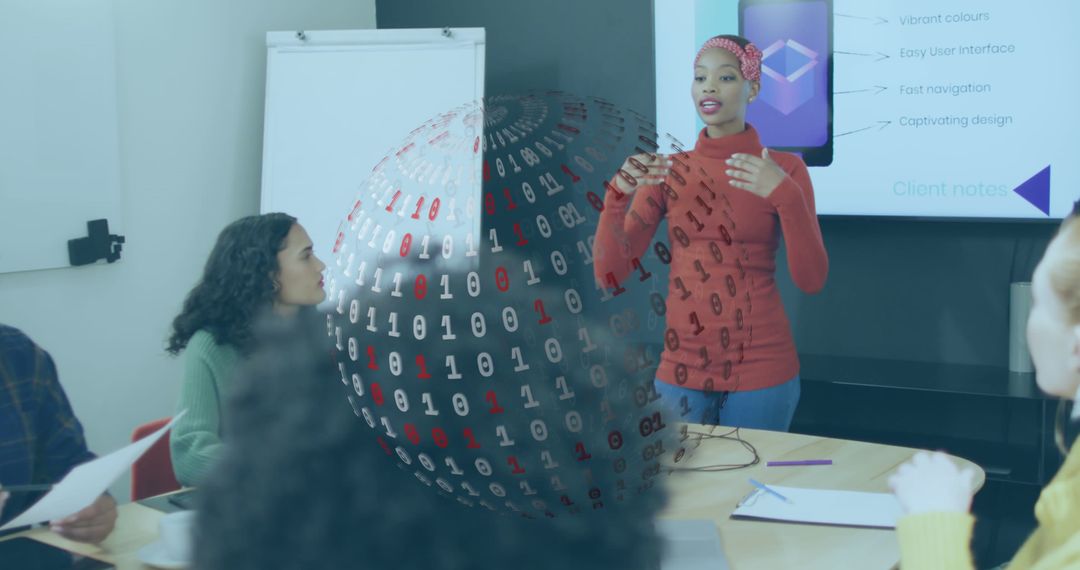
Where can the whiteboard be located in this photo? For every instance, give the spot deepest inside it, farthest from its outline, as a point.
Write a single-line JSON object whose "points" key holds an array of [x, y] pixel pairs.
{"points": [[59, 164], [338, 102]]}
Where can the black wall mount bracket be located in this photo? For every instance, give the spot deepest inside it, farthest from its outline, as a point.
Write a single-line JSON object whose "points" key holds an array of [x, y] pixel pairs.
{"points": [[98, 244]]}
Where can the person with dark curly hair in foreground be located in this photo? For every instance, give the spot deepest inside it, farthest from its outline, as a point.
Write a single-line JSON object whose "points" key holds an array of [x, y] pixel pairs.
{"points": [[303, 484], [258, 263]]}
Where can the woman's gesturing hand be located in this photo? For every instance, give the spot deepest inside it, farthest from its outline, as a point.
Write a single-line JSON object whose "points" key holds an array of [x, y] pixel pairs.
{"points": [[642, 170], [758, 174]]}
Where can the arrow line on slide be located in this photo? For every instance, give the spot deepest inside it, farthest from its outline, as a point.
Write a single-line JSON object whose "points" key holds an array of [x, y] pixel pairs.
{"points": [[882, 123], [878, 19], [880, 55], [876, 89]]}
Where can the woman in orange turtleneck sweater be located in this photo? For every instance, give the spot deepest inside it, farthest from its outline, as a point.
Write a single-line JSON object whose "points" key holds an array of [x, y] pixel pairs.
{"points": [[729, 357]]}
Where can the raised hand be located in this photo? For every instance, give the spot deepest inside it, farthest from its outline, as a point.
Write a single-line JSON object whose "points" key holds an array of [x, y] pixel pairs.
{"points": [[758, 174], [642, 170]]}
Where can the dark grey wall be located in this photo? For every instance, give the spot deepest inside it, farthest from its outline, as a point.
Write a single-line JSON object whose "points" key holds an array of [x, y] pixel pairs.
{"points": [[930, 291], [600, 48]]}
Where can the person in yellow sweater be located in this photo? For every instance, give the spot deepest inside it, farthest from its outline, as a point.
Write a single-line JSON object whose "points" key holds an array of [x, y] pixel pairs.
{"points": [[936, 495]]}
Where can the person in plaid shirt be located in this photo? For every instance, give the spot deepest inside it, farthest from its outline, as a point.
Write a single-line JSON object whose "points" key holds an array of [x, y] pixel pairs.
{"points": [[40, 437]]}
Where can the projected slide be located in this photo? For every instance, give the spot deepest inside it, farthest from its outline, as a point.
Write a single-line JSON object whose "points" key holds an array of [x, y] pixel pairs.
{"points": [[943, 108]]}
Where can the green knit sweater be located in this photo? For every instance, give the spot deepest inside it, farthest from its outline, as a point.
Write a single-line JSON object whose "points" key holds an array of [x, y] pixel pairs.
{"points": [[196, 439]]}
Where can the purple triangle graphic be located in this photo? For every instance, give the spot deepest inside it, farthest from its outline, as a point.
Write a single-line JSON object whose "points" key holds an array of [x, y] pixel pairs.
{"points": [[1036, 190]]}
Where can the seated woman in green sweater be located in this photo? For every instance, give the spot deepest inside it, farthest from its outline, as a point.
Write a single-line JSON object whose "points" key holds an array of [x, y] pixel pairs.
{"points": [[258, 263], [936, 495]]}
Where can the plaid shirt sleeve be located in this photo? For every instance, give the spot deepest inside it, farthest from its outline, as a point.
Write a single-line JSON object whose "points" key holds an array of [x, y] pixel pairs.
{"points": [[61, 444], [40, 438]]}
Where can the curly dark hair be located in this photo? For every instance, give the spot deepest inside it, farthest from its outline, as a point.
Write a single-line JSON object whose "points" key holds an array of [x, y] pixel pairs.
{"points": [[303, 484], [235, 284]]}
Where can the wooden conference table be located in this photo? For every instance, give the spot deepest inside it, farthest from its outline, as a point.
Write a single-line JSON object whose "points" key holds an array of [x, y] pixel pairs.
{"points": [[749, 545]]}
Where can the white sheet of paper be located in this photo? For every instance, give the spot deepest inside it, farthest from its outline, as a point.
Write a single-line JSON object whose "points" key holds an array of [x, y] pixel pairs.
{"points": [[86, 482], [823, 506]]}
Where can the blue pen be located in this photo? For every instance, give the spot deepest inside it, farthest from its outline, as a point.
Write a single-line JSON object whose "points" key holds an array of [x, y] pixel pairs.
{"points": [[763, 487]]}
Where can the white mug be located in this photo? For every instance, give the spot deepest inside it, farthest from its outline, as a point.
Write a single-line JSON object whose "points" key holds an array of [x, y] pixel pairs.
{"points": [[175, 534]]}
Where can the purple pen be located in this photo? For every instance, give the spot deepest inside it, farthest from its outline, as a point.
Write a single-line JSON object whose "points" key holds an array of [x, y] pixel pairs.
{"points": [[798, 463]]}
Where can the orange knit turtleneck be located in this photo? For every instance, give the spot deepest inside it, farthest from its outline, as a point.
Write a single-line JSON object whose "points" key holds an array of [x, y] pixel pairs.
{"points": [[726, 326]]}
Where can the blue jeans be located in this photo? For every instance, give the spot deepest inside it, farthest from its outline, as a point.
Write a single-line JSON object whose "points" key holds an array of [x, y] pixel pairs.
{"points": [[768, 408]]}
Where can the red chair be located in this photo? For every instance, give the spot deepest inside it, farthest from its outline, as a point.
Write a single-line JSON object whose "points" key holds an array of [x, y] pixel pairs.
{"points": [[152, 474]]}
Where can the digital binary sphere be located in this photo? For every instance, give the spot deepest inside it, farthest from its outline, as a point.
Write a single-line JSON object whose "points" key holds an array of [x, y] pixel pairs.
{"points": [[473, 336]]}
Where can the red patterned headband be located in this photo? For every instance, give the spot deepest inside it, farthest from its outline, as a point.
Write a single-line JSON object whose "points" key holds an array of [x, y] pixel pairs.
{"points": [[749, 57]]}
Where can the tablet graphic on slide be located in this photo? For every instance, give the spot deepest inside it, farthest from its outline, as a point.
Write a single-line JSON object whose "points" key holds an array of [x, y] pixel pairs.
{"points": [[794, 110]]}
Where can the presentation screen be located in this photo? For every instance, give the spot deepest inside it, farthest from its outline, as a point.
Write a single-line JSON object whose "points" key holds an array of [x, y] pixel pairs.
{"points": [[912, 108]]}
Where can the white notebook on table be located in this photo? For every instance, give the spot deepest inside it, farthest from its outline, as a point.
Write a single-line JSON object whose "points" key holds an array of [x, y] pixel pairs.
{"points": [[822, 506]]}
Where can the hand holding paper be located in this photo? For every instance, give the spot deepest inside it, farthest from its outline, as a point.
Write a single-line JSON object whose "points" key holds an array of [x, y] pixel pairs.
{"points": [[83, 488], [92, 524]]}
